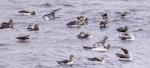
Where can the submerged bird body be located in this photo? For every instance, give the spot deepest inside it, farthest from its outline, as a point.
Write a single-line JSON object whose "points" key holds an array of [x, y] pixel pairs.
{"points": [[65, 62], [96, 59], [73, 24], [90, 48], [25, 37], [26, 12], [123, 29]]}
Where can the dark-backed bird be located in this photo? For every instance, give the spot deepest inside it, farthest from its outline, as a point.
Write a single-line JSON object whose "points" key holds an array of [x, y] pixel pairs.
{"points": [[100, 59], [104, 15], [123, 15], [123, 29], [125, 56], [7, 24], [26, 12], [23, 37], [67, 62]]}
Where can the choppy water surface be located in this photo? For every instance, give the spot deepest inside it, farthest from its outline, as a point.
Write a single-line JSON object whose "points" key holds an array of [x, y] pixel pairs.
{"points": [[55, 41]]}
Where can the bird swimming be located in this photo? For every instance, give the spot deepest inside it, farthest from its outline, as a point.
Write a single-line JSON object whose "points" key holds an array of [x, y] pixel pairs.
{"points": [[7, 24], [73, 24], [126, 56], [23, 37], [90, 48], [101, 45], [33, 27], [123, 15], [67, 62], [84, 35], [123, 29], [82, 20], [26, 12], [104, 15], [127, 36], [104, 23], [100, 59]]}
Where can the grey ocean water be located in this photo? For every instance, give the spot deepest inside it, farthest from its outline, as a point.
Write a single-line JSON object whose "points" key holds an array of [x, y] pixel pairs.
{"points": [[55, 41]]}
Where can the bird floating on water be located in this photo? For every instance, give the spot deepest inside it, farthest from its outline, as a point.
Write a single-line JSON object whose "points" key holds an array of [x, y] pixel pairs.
{"points": [[101, 45], [23, 37], [123, 29], [90, 48], [102, 48], [104, 23], [123, 15], [7, 24], [26, 12], [33, 27], [67, 62], [81, 20], [73, 24], [100, 59], [126, 56], [127, 36], [104, 15], [84, 35]]}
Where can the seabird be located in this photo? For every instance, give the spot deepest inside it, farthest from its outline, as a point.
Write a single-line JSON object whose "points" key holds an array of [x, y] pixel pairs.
{"points": [[127, 36], [82, 20], [90, 48], [124, 15], [33, 27], [51, 15], [84, 35], [123, 29], [73, 24], [100, 59], [24, 37], [26, 12], [67, 62], [104, 23], [103, 40], [104, 15], [125, 56], [101, 45], [7, 24], [102, 48]]}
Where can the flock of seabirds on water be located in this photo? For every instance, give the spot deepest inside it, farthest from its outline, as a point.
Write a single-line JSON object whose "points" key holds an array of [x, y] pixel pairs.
{"points": [[81, 20]]}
